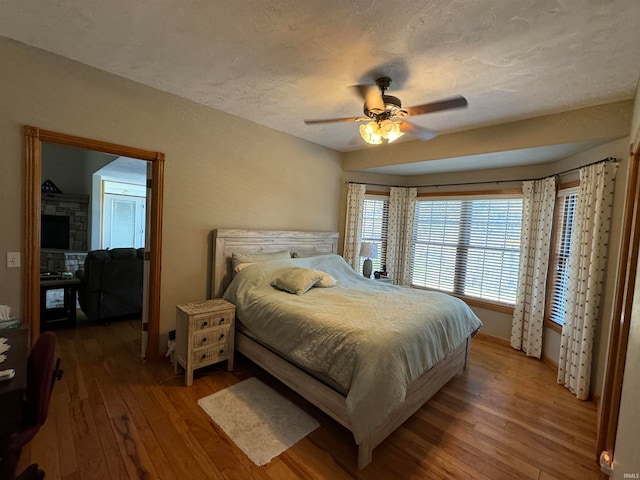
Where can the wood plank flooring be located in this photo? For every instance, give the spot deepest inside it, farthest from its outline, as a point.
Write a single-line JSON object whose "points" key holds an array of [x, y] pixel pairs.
{"points": [[113, 416]]}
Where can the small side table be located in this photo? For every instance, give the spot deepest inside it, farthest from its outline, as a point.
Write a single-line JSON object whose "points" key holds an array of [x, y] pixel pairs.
{"points": [[204, 335], [54, 317]]}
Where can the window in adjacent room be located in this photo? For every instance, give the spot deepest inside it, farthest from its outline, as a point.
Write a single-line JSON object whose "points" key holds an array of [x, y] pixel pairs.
{"points": [[564, 220], [468, 246], [374, 227], [123, 215]]}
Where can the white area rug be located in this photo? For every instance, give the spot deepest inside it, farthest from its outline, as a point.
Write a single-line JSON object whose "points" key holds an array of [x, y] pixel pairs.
{"points": [[261, 422]]}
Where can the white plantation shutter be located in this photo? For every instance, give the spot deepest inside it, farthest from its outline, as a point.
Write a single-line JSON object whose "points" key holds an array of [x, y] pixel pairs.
{"points": [[375, 216], [468, 247], [567, 201]]}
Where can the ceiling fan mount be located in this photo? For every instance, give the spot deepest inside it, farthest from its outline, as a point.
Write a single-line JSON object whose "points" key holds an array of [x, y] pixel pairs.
{"points": [[392, 105], [388, 115]]}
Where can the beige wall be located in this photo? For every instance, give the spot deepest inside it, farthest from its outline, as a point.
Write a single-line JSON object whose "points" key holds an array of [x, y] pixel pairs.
{"points": [[220, 170], [626, 458]]}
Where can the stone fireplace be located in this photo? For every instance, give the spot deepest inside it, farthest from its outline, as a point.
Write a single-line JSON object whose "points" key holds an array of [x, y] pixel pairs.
{"points": [[76, 207]]}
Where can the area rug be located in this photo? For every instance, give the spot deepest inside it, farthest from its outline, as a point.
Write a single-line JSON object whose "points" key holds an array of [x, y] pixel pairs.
{"points": [[260, 421]]}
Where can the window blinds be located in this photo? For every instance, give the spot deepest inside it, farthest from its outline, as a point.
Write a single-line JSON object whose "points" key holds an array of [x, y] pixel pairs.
{"points": [[566, 205], [374, 227], [468, 247]]}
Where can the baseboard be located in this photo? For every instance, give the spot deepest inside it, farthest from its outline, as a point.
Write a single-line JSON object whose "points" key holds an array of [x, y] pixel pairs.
{"points": [[549, 363]]}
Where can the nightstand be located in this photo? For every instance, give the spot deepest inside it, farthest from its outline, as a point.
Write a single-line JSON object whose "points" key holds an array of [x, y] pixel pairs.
{"points": [[204, 335]]}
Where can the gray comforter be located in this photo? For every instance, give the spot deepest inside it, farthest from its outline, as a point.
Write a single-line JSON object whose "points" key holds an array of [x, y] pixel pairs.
{"points": [[370, 339]]}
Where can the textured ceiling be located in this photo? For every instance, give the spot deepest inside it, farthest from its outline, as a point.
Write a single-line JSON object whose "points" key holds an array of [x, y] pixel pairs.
{"points": [[280, 62]]}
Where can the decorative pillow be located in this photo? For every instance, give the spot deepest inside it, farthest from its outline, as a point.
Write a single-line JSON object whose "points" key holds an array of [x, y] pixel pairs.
{"points": [[238, 258], [297, 280], [326, 280]]}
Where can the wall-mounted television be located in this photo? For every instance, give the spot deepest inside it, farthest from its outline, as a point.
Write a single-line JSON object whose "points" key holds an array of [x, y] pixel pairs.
{"points": [[54, 232]]}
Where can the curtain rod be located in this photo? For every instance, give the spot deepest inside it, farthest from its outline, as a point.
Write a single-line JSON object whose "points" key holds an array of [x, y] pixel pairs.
{"points": [[608, 159]]}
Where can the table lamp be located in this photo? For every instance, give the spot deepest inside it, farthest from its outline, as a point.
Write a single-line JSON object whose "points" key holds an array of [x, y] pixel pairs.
{"points": [[369, 250]]}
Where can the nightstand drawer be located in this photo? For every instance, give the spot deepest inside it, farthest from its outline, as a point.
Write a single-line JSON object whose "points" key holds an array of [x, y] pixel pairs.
{"points": [[211, 336], [212, 354], [207, 321]]}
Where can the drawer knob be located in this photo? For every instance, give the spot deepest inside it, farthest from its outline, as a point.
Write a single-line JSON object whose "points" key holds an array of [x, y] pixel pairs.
{"points": [[205, 323], [221, 336], [204, 340], [221, 351], [204, 355], [221, 321]]}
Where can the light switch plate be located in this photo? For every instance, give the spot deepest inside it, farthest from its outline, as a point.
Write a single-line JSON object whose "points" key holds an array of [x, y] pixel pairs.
{"points": [[13, 259]]}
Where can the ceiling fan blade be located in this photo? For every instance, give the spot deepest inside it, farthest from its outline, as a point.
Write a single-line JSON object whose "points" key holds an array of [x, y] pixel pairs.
{"points": [[448, 104], [418, 132], [332, 120], [372, 98]]}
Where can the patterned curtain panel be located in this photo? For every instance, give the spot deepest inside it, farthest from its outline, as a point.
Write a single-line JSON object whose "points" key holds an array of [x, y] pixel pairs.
{"points": [[535, 245], [353, 224], [402, 205], [586, 275]]}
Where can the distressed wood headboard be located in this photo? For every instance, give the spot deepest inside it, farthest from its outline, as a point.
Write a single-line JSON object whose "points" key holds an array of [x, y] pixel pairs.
{"points": [[229, 241]]}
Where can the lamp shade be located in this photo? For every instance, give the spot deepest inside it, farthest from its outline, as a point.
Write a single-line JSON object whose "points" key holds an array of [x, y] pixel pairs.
{"points": [[374, 132], [390, 130], [369, 249], [370, 133]]}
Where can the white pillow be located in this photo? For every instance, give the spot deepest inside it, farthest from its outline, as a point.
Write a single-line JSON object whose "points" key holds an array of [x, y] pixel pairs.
{"points": [[238, 258], [306, 254]]}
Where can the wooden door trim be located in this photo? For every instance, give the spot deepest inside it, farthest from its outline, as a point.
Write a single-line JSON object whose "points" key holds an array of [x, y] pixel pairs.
{"points": [[621, 321], [34, 138]]}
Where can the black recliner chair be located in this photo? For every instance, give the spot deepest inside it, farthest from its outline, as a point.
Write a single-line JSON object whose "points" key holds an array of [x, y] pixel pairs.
{"points": [[111, 284]]}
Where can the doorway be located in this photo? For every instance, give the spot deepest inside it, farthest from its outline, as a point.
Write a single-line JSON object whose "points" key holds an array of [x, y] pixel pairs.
{"points": [[34, 138]]}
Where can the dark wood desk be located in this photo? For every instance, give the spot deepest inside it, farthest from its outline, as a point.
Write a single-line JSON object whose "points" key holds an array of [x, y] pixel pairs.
{"points": [[58, 317], [12, 391]]}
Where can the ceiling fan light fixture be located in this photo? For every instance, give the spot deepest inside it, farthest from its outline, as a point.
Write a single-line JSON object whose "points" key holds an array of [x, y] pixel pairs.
{"points": [[386, 115], [370, 133], [390, 130]]}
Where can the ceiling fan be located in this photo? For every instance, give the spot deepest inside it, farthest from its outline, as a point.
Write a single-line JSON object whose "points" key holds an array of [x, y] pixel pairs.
{"points": [[386, 115]]}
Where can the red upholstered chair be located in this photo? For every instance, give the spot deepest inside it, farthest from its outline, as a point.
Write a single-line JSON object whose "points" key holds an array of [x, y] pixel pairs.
{"points": [[41, 376], [32, 472]]}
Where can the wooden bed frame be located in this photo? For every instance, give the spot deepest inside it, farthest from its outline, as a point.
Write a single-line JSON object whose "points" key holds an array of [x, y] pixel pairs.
{"points": [[226, 242]]}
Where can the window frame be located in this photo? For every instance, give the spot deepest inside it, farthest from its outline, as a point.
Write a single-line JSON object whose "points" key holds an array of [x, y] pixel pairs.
{"points": [[480, 195], [564, 190]]}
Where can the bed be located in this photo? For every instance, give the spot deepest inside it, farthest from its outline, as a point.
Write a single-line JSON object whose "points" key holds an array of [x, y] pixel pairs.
{"points": [[366, 353]]}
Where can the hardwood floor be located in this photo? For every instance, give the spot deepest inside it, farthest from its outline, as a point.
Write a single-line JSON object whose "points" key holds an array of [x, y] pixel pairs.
{"points": [[114, 417]]}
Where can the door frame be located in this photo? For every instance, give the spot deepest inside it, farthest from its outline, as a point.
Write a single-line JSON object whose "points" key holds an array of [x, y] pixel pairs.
{"points": [[34, 138], [609, 407]]}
